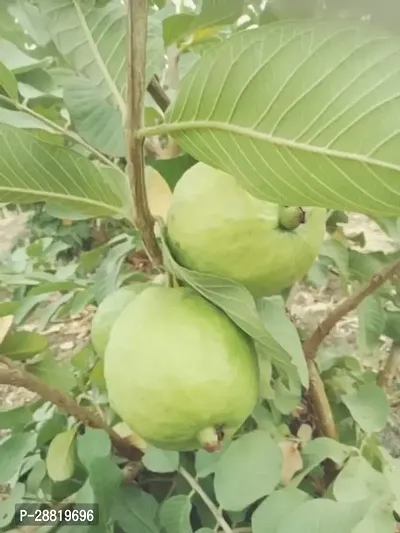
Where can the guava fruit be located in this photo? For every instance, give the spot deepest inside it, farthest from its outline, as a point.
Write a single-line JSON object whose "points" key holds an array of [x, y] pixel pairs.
{"points": [[178, 371], [216, 227], [107, 312]]}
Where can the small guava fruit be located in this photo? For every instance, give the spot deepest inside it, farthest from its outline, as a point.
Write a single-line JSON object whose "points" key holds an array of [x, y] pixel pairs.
{"points": [[216, 227], [108, 311], [178, 371]]}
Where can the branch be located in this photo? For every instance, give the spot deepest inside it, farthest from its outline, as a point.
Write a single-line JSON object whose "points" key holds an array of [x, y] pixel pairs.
{"points": [[319, 403], [193, 483], [158, 94], [16, 376], [311, 345], [137, 30]]}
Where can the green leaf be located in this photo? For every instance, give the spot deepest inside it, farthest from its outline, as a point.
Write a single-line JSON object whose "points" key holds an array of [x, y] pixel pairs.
{"points": [[358, 480], [324, 516], [235, 300], [337, 252], [105, 279], [36, 476], [136, 511], [15, 418], [160, 461], [282, 329], [57, 374], [5, 326], [369, 407], [378, 518], [49, 173], [253, 461], [89, 37], [21, 345], [172, 169], [13, 452], [271, 512], [7, 506], [300, 112], [60, 458], [105, 479], [316, 451], [8, 82], [94, 117], [16, 61], [92, 444], [175, 514], [28, 17], [392, 325], [212, 14], [206, 462], [371, 322]]}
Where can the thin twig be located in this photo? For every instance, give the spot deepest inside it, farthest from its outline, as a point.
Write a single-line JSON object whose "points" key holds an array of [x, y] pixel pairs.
{"points": [[16, 376], [193, 483], [311, 345], [137, 30], [158, 94], [319, 403], [386, 374]]}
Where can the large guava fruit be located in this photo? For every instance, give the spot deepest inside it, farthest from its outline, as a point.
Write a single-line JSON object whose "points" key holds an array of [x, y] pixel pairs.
{"points": [[108, 311], [178, 371], [216, 227]]}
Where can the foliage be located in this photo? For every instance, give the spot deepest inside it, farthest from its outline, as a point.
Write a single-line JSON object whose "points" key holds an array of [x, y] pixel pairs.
{"points": [[302, 112]]}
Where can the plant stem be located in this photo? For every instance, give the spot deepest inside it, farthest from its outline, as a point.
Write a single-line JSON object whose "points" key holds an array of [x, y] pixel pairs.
{"points": [[137, 30], [67, 133], [386, 374], [193, 483], [311, 345], [16, 376]]}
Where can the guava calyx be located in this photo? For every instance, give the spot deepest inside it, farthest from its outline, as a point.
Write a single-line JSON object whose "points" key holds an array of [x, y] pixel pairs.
{"points": [[210, 439], [290, 218]]}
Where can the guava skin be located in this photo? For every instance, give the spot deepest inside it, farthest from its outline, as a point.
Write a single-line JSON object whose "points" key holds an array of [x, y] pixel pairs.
{"points": [[216, 227], [108, 311], [176, 365]]}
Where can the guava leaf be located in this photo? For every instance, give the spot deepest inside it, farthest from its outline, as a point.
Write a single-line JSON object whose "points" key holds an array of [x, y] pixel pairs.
{"points": [[235, 300], [369, 407], [136, 510], [92, 444], [5, 325], [300, 112], [175, 514], [16, 417], [23, 344], [213, 13], [8, 505], [371, 322], [378, 518], [253, 461], [13, 452], [60, 459], [8, 81], [325, 516], [32, 170], [57, 374], [160, 461], [105, 479], [271, 512], [90, 35], [358, 480], [316, 451]]}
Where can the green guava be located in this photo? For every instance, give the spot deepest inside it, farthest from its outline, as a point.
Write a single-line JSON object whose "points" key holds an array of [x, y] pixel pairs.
{"points": [[216, 227], [107, 312], [178, 371]]}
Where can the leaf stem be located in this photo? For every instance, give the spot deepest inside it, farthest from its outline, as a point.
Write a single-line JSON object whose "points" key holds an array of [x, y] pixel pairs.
{"points": [[137, 31], [17, 376], [193, 483]]}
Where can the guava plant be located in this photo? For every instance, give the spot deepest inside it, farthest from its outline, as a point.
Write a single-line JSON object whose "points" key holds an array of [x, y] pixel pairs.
{"points": [[206, 136]]}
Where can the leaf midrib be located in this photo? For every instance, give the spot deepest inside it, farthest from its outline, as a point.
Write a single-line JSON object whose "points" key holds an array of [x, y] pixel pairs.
{"points": [[258, 135], [68, 197]]}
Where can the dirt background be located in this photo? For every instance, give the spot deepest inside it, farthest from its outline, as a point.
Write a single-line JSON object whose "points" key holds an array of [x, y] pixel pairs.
{"points": [[308, 308]]}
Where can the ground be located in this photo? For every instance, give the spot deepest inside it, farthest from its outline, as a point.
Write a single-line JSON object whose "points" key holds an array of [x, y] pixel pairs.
{"points": [[308, 308]]}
